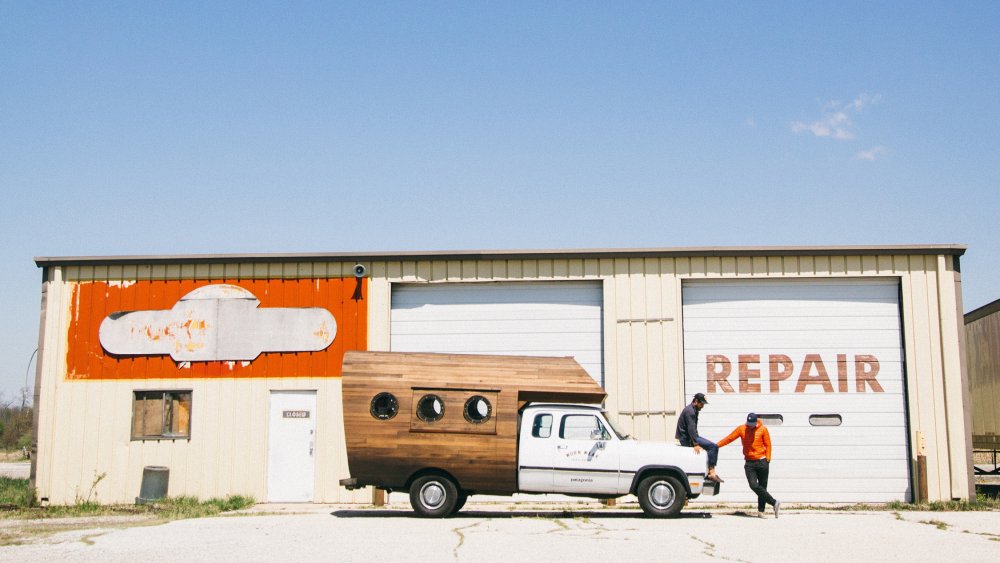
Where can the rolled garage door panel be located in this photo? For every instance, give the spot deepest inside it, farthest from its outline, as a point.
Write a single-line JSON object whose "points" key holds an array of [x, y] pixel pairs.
{"points": [[523, 318], [815, 352]]}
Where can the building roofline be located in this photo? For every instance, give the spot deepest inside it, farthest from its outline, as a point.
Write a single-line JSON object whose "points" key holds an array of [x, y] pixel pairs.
{"points": [[931, 249], [984, 311]]}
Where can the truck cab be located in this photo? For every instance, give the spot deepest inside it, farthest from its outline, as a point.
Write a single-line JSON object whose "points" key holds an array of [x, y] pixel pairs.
{"points": [[577, 450]]}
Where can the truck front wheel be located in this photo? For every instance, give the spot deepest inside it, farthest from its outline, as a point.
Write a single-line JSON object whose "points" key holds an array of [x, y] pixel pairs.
{"points": [[433, 496], [661, 496]]}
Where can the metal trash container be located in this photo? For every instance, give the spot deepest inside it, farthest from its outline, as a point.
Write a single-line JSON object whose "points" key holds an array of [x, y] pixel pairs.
{"points": [[155, 479]]}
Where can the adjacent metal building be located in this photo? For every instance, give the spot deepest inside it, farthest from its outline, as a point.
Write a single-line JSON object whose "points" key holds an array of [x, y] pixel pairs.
{"points": [[982, 336], [225, 369]]}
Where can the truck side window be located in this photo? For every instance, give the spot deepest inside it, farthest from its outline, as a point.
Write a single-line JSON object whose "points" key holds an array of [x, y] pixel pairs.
{"points": [[542, 426], [583, 427]]}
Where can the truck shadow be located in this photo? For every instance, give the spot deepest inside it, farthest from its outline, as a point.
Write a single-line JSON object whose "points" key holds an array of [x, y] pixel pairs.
{"points": [[592, 514]]}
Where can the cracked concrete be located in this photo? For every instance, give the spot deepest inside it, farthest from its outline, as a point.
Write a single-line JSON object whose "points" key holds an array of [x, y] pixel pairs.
{"points": [[487, 532]]}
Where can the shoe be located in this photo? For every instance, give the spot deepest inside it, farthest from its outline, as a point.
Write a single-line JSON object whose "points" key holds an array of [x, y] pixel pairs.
{"points": [[715, 478], [777, 507], [761, 514]]}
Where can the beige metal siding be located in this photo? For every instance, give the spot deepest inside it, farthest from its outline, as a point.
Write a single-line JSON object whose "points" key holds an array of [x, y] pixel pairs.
{"points": [[85, 446], [84, 426], [982, 339]]}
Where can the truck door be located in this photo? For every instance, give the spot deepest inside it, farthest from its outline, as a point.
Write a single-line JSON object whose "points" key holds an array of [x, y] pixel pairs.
{"points": [[534, 467], [586, 456]]}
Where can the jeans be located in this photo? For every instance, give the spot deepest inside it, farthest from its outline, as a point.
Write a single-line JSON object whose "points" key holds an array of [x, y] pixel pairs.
{"points": [[709, 446], [757, 471]]}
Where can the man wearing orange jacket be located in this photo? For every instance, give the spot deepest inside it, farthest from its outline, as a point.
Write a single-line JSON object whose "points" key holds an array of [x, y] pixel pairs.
{"points": [[757, 453]]}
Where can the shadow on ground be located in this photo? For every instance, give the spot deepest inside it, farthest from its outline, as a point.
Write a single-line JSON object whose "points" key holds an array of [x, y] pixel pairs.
{"points": [[514, 514]]}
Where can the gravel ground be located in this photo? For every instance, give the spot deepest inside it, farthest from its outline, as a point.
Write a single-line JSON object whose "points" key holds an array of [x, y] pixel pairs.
{"points": [[495, 532]]}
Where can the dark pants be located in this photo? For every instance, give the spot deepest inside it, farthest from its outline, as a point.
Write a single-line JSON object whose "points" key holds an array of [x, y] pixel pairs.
{"points": [[757, 471], [709, 446]]}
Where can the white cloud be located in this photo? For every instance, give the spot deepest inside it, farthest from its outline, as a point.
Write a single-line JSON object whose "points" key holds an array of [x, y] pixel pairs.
{"points": [[835, 121], [871, 154], [750, 122]]}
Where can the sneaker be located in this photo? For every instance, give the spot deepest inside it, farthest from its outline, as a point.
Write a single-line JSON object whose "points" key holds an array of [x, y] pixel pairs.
{"points": [[761, 514], [777, 507]]}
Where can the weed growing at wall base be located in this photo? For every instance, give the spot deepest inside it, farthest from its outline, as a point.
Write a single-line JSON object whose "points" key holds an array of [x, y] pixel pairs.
{"points": [[17, 502]]}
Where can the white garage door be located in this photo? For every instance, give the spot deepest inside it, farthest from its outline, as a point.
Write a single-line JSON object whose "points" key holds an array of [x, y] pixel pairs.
{"points": [[822, 358], [534, 319]]}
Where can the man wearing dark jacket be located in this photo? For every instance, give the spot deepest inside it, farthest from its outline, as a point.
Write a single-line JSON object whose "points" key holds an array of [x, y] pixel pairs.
{"points": [[687, 433]]}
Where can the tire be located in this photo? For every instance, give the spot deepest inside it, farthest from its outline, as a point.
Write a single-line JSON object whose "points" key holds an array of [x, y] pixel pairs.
{"points": [[433, 496], [462, 497], [661, 496]]}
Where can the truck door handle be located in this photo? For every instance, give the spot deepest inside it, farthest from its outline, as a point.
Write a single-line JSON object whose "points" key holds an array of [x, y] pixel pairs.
{"points": [[561, 447]]}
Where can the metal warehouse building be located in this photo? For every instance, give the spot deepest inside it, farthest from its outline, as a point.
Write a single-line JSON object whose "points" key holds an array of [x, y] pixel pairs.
{"points": [[225, 369], [982, 335]]}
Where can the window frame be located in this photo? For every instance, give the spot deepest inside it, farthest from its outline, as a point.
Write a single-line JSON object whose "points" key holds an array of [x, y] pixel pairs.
{"points": [[164, 394], [605, 435]]}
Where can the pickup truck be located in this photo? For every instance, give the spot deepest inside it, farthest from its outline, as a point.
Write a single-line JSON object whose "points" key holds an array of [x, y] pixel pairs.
{"points": [[500, 441]]}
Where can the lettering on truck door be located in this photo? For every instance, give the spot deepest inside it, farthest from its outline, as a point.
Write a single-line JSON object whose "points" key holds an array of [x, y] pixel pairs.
{"points": [[586, 456]]}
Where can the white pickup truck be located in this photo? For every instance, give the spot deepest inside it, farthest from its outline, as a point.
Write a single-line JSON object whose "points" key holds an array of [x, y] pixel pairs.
{"points": [[444, 427], [576, 450]]}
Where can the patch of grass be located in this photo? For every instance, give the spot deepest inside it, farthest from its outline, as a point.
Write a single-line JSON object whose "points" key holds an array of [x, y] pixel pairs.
{"points": [[177, 508], [980, 504], [15, 492], [17, 502], [936, 523]]}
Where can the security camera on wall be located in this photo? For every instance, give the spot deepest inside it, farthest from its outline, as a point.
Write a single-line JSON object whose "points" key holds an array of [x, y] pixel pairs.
{"points": [[360, 271]]}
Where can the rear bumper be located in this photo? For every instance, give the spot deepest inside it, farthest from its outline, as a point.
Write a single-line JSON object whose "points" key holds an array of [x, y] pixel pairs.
{"points": [[699, 485]]}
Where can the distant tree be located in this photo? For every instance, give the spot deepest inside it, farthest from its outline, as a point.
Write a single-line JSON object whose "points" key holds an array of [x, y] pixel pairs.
{"points": [[15, 423]]}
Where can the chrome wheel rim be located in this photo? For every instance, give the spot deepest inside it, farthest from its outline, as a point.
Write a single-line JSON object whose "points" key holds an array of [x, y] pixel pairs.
{"points": [[432, 495], [662, 494]]}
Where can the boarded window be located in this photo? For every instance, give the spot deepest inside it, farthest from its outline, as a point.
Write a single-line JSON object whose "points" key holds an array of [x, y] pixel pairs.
{"points": [[159, 415]]}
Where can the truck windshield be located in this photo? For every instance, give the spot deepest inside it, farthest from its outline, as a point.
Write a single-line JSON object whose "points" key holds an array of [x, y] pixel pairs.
{"points": [[614, 427]]}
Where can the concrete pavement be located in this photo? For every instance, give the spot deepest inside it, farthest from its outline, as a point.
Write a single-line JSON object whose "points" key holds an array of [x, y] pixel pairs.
{"points": [[493, 532]]}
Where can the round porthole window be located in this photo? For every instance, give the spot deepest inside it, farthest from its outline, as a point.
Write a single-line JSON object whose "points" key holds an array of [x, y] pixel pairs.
{"points": [[430, 408], [384, 406], [478, 409]]}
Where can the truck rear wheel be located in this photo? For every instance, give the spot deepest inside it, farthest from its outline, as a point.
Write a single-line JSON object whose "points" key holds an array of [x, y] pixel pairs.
{"points": [[433, 496], [661, 496], [462, 497]]}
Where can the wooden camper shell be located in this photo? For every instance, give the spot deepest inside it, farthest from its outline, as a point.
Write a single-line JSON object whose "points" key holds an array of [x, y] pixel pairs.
{"points": [[481, 455]]}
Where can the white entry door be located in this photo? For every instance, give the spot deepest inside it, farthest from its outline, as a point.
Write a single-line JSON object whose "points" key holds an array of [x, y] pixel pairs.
{"points": [[291, 467]]}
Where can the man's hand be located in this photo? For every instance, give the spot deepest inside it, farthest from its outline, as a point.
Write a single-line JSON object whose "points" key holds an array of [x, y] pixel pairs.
{"points": [[697, 449]]}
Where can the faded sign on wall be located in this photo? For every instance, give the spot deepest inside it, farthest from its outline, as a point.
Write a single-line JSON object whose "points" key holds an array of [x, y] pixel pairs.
{"points": [[215, 328]]}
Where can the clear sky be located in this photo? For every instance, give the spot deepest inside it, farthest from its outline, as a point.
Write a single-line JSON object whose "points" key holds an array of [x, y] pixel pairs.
{"points": [[179, 127]]}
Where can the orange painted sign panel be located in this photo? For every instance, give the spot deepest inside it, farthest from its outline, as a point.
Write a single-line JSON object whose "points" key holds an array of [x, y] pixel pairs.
{"points": [[162, 329]]}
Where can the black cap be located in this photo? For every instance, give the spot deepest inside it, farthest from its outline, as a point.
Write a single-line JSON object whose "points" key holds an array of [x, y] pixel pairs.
{"points": [[752, 418], [700, 397]]}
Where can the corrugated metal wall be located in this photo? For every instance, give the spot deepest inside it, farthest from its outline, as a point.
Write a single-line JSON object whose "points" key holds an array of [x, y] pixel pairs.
{"points": [[982, 338], [85, 450], [84, 426]]}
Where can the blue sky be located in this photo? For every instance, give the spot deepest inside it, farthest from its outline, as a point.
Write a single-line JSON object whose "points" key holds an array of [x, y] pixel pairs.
{"points": [[177, 128]]}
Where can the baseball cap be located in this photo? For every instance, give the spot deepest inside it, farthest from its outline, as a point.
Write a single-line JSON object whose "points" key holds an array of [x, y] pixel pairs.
{"points": [[752, 418], [700, 397]]}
